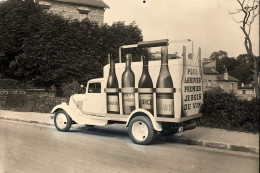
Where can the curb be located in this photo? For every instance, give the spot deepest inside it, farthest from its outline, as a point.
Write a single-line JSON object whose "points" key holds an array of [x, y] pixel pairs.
{"points": [[182, 140], [26, 121], [218, 145]]}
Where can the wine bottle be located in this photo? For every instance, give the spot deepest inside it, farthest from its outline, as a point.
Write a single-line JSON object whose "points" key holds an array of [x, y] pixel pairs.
{"points": [[128, 87], [164, 88], [145, 88], [112, 89]]}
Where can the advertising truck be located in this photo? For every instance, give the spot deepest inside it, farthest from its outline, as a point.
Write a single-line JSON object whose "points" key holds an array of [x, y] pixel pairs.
{"points": [[149, 96]]}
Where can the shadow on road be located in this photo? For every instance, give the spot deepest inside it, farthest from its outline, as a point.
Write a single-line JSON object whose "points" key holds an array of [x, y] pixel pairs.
{"points": [[118, 132]]}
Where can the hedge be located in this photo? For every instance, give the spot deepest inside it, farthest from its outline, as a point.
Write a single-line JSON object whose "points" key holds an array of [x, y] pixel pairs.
{"points": [[226, 111]]}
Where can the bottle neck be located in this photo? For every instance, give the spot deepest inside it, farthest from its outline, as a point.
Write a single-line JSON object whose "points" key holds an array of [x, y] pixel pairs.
{"points": [[128, 61], [164, 52], [112, 64], [145, 64]]}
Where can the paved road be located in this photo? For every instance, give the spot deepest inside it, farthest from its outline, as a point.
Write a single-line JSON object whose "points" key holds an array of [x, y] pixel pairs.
{"points": [[30, 148]]}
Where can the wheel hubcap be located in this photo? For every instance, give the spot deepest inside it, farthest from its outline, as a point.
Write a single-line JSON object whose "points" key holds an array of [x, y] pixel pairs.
{"points": [[61, 120], [140, 130]]}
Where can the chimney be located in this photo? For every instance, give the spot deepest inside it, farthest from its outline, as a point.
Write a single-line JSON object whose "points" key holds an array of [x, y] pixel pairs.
{"points": [[226, 75]]}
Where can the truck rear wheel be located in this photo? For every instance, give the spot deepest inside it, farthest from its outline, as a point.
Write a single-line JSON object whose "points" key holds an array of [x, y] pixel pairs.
{"points": [[62, 121], [141, 130]]}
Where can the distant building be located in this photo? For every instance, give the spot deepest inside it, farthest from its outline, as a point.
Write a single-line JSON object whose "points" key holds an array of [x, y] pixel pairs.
{"points": [[209, 75], [212, 79], [246, 91], [227, 83], [77, 9]]}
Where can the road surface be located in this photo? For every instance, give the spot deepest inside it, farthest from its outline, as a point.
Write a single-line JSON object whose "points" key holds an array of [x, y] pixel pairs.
{"points": [[35, 148]]}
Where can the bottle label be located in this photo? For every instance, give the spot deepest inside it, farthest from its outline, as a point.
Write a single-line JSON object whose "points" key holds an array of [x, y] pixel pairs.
{"points": [[112, 103], [129, 99], [146, 101], [165, 107]]}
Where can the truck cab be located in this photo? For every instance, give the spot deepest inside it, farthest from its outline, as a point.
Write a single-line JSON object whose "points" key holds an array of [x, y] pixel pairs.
{"points": [[182, 101]]}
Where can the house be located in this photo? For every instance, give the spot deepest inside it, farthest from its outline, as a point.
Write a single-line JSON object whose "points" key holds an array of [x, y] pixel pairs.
{"points": [[212, 79], [77, 9], [246, 91], [227, 83], [209, 75]]}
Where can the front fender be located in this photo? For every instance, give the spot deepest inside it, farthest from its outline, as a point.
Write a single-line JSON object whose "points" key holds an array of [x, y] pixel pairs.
{"points": [[62, 106], [156, 125]]}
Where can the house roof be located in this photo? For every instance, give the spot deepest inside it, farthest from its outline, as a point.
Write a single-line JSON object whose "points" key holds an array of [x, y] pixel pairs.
{"points": [[94, 3], [208, 70], [220, 77], [247, 86]]}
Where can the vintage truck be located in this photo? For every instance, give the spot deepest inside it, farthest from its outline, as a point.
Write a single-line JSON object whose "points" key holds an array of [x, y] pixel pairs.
{"points": [[163, 96]]}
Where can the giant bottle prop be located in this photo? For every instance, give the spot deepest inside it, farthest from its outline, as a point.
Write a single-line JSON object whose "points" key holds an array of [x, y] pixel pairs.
{"points": [[145, 88], [164, 88], [128, 87], [112, 89]]}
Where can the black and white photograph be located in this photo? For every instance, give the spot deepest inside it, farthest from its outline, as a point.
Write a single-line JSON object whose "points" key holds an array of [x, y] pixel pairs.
{"points": [[129, 86]]}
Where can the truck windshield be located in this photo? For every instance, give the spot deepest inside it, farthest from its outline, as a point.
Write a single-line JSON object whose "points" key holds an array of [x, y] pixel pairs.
{"points": [[94, 87]]}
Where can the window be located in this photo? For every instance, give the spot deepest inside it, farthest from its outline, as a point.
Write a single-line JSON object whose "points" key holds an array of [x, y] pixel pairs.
{"points": [[82, 16], [94, 88], [232, 86], [244, 91], [83, 13]]}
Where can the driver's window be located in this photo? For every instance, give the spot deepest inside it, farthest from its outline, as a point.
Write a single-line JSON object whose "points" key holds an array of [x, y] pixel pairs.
{"points": [[94, 88]]}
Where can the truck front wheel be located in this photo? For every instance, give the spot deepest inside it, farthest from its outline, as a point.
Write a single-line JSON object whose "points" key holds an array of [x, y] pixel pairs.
{"points": [[141, 130], [62, 121]]}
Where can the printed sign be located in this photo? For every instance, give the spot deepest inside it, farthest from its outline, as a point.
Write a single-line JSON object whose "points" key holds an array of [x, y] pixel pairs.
{"points": [[146, 101], [112, 104], [191, 91], [129, 99], [165, 107]]}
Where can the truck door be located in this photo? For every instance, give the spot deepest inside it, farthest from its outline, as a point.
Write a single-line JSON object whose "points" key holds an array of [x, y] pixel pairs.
{"points": [[94, 99]]}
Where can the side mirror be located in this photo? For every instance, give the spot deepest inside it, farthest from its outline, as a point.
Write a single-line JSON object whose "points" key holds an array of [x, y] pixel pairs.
{"points": [[82, 86]]}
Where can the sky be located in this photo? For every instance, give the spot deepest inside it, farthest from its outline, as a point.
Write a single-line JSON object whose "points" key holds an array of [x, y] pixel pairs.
{"points": [[207, 23]]}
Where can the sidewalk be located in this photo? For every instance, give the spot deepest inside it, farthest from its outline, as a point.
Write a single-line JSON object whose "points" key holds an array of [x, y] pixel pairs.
{"points": [[209, 137]]}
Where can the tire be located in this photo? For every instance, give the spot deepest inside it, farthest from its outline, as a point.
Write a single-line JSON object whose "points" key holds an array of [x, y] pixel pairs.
{"points": [[62, 121], [141, 130]]}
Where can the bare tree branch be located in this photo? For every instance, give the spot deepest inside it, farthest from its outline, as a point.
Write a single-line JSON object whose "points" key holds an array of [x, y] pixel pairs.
{"points": [[250, 10]]}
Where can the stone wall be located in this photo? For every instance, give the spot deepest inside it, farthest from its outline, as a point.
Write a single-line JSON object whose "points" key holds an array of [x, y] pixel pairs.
{"points": [[6, 93], [72, 11]]}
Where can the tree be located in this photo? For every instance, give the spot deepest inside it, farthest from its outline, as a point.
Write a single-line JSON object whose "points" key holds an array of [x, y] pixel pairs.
{"points": [[249, 9], [218, 55], [46, 49], [13, 17]]}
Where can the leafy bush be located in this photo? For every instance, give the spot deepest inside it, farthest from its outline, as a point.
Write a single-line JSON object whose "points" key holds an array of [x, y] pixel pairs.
{"points": [[46, 49], [71, 88], [224, 110]]}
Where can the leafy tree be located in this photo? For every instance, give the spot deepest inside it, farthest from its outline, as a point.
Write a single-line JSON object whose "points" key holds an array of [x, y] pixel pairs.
{"points": [[53, 50], [218, 55], [226, 62], [242, 73], [13, 18]]}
